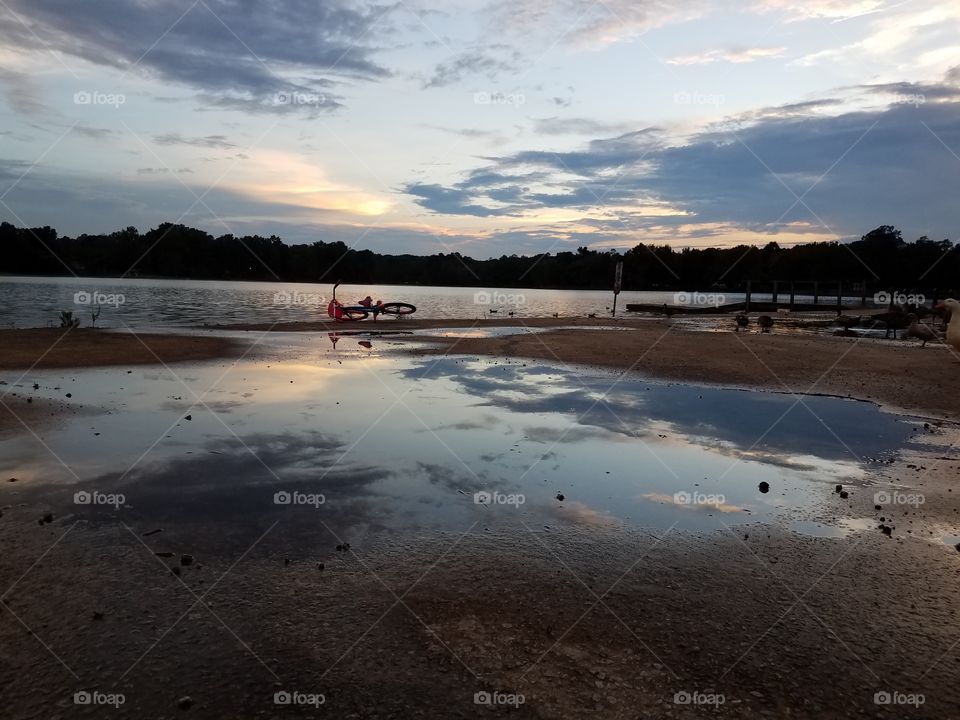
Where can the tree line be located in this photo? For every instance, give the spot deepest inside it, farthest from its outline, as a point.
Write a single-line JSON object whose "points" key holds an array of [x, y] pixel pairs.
{"points": [[881, 257]]}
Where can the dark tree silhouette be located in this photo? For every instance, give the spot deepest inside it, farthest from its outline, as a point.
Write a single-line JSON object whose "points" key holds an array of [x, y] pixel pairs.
{"points": [[880, 257]]}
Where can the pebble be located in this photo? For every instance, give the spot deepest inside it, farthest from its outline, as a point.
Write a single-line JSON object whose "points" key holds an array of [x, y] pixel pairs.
{"points": [[764, 487], [185, 703], [560, 497], [186, 559]]}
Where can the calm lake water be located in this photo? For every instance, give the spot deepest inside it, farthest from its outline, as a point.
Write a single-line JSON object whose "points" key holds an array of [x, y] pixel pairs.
{"points": [[140, 303], [397, 445]]}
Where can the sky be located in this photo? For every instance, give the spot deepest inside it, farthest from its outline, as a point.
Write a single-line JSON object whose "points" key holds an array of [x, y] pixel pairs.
{"points": [[485, 127]]}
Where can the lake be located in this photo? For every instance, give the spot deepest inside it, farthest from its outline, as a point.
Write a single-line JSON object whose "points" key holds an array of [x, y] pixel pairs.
{"points": [[144, 303]]}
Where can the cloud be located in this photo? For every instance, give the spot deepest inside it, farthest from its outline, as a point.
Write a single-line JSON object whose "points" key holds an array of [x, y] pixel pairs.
{"points": [[21, 92], [916, 34], [747, 173], [218, 142], [591, 25], [578, 126], [243, 49], [812, 9], [474, 62], [94, 133], [161, 171], [449, 201], [731, 56]]}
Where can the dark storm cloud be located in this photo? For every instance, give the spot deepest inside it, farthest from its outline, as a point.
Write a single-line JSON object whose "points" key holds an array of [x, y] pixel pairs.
{"points": [[242, 47], [895, 164], [450, 201]]}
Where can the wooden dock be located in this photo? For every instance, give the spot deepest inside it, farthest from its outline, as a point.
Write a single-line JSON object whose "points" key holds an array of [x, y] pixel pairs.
{"points": [[740, 307]]}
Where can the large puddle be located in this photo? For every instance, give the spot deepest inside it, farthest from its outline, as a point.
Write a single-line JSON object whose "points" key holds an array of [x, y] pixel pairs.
{"points": [[378, 446]]}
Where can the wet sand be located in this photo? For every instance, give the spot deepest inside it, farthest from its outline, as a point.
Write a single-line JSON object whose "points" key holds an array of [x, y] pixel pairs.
{"points": [[895, 373], [607, 621], [42, 348]]}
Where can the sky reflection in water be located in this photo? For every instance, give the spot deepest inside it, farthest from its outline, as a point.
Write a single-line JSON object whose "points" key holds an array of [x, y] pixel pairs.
{"points": [[400, 445]]}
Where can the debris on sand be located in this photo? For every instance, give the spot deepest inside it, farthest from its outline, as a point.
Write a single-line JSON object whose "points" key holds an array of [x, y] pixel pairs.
{"points": [[186, 559], [164, 554], [153, 532], [97, 615], [764, 487], [886, 530], [12, 480], [844, 494], [185, 703], [48, 518], [839, 488], [560, 496], [343, 548]]}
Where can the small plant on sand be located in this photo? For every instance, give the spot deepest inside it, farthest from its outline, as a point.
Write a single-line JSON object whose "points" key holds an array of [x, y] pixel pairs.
{"points": [[67, 320]]}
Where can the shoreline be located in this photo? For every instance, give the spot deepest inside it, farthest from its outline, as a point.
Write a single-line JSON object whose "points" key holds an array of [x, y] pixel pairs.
{"points": [[900, 376]]}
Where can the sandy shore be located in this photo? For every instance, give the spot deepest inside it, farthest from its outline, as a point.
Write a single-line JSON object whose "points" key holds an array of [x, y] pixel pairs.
{"points": [[894, 373], [604, 621], [44, 348]]}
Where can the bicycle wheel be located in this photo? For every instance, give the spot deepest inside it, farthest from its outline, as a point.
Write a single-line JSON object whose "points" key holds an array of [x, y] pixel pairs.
{"points": [[398, 309]]}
